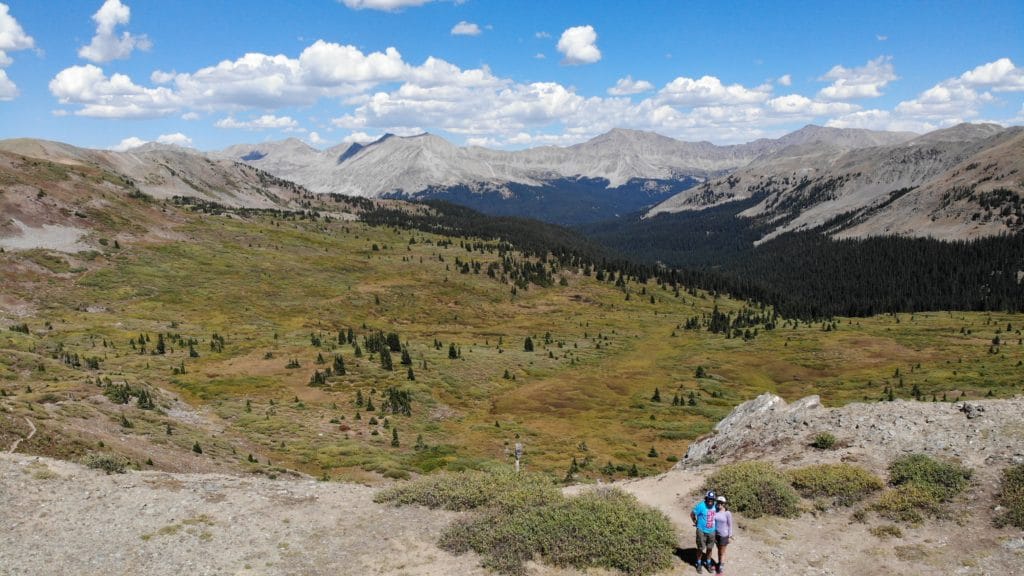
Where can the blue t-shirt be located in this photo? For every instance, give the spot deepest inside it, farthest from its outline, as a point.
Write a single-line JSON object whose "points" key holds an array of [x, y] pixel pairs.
{"points": [[705, 517]]}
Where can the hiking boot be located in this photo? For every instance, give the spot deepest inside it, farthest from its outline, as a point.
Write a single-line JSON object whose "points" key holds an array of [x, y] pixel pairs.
{"points": [[700, 568], [718, 569]]}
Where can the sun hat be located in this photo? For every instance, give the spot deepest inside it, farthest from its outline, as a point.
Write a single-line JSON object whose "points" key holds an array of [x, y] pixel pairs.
{"points": [[721, 499]]}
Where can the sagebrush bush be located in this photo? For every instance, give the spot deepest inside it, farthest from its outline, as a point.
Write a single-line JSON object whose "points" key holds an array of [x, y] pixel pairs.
{"points": [[1011, 497], [109, 463], [473, 489], [604, 528], [824, 441], [845, 484], [755, 489]]}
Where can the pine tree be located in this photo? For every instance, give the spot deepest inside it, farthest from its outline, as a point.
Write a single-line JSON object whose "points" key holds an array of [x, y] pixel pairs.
{"points": [[657, 396], [394, 437], [339, 365], [385, 359], [528, 344], [196, 448], [409, 375], [453, 353], [653, 453], [406, 358]]}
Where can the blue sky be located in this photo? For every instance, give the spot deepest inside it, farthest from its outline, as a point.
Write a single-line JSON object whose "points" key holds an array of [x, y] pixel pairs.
{"points": [[499, 73]]}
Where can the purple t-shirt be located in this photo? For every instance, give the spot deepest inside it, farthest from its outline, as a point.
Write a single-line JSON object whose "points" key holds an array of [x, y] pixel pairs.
{"points": [[705, 517], [723, 523]]}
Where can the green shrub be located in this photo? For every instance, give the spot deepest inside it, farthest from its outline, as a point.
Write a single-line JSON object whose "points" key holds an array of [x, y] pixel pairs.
{"points": [[473, 489], [755, 489], [922, 486], [1011, 497], [944, 479], [109, 463], [824, 441], [845, 484], [604, 528]]}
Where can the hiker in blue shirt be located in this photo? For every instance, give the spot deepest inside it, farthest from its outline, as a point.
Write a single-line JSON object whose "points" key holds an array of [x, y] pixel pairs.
{"points": [[703, 517]]}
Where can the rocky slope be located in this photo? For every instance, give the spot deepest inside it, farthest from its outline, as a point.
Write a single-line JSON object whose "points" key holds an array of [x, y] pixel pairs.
{"points": [[956, 183], [168, 523], [163, 171]]}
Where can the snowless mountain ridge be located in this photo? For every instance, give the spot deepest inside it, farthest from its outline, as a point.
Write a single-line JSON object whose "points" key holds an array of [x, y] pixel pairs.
{"points": [[955, 183], [410, 165]]}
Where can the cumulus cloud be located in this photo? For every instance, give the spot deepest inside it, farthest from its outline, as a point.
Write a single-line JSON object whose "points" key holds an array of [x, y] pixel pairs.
{"points": [[315, 139], [785, 80], [111, 97], [1000, 76], [106, 45], [12, 39], [176, 139], [710, 90], [384, 5], [579, 45], [359, 138], [464, 28], [797, 105], [627, 86], [864, 81], [264, 122], [128, 144]]}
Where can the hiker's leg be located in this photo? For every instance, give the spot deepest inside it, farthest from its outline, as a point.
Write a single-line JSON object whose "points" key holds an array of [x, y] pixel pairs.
{"points": [[721, 554]]}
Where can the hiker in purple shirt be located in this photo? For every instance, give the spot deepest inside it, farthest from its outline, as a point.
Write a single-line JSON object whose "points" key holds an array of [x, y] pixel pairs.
{"points": [[723, 531], [703, 517]]}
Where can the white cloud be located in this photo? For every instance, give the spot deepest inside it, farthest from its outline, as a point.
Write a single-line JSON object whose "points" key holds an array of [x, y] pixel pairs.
{"points": [[710, 90], [541, 35], [385, 5], [864, 81], [128, 144], [627, 86], [881, 37], [315, 139], [106, 45], [464, 28], [785, 80], [176, 139], [190, 116], [1000, 76], [8, 90], [802, 106], [113, 97], [264, 122], [359, 138], [539, 56], [12, 38], [578, 45]]}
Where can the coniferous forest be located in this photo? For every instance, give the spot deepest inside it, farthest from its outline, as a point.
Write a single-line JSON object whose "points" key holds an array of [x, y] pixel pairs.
{"points": [[802, 274]]}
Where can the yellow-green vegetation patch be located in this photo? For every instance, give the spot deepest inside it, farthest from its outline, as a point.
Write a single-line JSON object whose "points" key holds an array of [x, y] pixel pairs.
{"points": [[521, 517], [755, 488], [845, 484], [474, 489], [1011, 497], [922, 485]]}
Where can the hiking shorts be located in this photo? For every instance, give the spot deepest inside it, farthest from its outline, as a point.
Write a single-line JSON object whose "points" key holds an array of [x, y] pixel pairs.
{"points": [[722, 541], [705, 540]]}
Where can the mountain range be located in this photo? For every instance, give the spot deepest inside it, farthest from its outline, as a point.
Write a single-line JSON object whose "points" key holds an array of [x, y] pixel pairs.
{"points": [[616, 173], [955, 183]]}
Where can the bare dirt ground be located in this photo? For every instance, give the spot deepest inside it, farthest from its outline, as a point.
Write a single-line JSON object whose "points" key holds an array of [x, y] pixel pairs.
{"points": [[58, 517]]}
